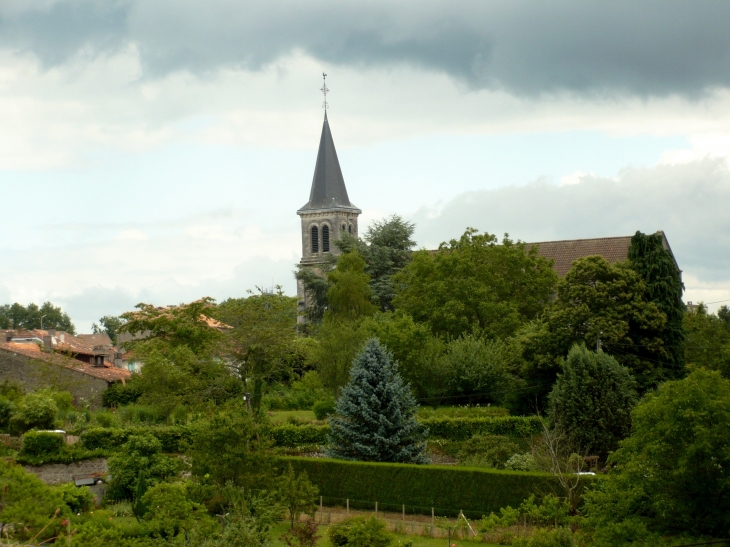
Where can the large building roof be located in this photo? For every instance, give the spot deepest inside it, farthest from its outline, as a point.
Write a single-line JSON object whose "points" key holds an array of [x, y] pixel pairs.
{"points": [[328, 185], [565, 252]]}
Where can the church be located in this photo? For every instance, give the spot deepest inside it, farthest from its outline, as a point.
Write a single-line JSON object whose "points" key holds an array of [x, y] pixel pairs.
{"points": [[329, 213]]}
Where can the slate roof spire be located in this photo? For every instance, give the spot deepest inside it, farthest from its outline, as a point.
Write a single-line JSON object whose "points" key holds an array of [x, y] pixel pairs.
{"points": [[328, 185]]}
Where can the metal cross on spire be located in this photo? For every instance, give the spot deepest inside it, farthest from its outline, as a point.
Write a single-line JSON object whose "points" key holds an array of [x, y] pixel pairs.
{"points": [[324, 91]]}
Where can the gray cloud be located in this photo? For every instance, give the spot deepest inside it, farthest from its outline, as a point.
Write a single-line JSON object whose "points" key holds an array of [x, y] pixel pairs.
{"points": [[528, 48], [690, 202]]}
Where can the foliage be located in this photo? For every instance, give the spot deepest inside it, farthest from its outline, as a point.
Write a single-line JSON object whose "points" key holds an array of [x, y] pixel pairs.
{"points": [[41, 443], [592, 401], [68, 453], [119, 394], [315, 285], [7, 409], [36, 410], [302, 534], [291, 435], [170, 510], [25, 499], [296, 494], [376, 413], [231, 447], [17, 316], [348, 296], [559, 537], [360, 532], [324, 409], [474, 283], [664, 287], [487, 451], [300, 395], [478, 370], [520, 462], [78, 499], [464, 428], [139, 454], [109, 325], [420, 487], [263, 336], [596, 300], [174, 438], [338, 342], [671, 473], [550, 511], [708, 340]]}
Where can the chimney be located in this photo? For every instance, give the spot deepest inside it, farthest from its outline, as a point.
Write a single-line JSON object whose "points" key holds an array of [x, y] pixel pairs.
{"points": [[9, 336], [63, 337], [52, 332], [48, 343]]}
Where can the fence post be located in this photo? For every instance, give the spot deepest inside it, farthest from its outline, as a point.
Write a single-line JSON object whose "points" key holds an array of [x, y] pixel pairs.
{"points": [[348, 507], [320, 509], [404, 518], [376, 509], [433, 521]]}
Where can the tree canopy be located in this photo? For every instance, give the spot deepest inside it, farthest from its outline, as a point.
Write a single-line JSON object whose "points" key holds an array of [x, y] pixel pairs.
{"points": [[31, 316], [708, 339]]}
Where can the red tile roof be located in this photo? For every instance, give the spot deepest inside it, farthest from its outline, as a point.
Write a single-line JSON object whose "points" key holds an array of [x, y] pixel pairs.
{"points": [[564, 253], [108, 372]]}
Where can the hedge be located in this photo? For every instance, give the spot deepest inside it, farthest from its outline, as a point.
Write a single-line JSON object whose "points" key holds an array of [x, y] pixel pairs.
{"points": [[290, 435], [460, 429], [420, 487], [41, 443], [173, 438]]}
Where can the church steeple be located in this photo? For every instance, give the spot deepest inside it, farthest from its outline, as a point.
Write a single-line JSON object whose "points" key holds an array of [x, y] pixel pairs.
{"points": [[328, 185]]}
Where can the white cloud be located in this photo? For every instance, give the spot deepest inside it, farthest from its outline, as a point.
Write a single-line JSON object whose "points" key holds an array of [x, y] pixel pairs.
{"points": [[575, 178]]}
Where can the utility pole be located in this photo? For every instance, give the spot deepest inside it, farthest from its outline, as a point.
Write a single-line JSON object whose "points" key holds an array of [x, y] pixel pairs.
{"points": [[598, 342]]}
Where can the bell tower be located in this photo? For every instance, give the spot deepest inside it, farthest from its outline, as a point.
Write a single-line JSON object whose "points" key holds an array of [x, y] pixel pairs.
{"points": [[328, 214]]}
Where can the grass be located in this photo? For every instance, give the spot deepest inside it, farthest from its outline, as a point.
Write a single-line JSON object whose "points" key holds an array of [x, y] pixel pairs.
{"points": [[284, 416], [461, 412]]}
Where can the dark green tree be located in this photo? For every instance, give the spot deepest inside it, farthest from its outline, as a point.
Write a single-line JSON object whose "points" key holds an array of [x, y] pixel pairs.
{"points": [[348, 296], [31, 316], [708, 340], [592, 401], [297, 494], [664, 287], [475, 283], [670, 476], [375, 418], [109, 325]]}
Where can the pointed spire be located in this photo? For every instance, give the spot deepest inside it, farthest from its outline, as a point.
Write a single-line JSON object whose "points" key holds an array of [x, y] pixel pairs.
{"points": [[328, 186]]}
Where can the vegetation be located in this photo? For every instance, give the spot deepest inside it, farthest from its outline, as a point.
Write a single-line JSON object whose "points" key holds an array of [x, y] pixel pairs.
{"points": [[47, 316]]}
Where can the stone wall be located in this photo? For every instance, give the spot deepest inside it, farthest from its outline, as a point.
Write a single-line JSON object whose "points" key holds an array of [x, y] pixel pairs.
{"points": [[60, 473], [34, 374]]}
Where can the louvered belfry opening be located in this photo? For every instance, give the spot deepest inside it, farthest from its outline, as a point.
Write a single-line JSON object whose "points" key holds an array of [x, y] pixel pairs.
{"points": [[325, 239], [315, 239]]}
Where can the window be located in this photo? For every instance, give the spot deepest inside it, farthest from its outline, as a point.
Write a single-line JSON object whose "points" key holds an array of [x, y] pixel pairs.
{"points": [[344, 227], [349, 228], [315, 239], [325, 239]]}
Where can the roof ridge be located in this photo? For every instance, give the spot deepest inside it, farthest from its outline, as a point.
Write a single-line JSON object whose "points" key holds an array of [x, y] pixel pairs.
{"points": [[581, 239]]}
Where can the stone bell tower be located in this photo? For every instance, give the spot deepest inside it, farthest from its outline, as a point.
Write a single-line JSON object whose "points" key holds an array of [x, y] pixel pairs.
{"points": [[328, 214]]}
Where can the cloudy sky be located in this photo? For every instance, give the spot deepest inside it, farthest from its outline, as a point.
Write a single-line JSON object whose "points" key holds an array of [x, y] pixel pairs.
{"points": [[158, 151]]}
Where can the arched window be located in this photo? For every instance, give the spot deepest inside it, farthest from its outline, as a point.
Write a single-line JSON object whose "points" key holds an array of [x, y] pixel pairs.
{"points": [[325, 239], [315, 239], [344, 227], [349, 228]]}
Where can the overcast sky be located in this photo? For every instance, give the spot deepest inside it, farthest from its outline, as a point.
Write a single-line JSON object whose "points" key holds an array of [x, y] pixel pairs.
{"points": [[158, 151]]}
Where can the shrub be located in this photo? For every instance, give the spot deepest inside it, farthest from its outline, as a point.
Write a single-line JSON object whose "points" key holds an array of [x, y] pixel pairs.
{"points": [[360, 532], [7, 409], [42, 443], [36, 410], [289, 435], [119, 394], [560, 537], [521, 462], [78, 499], [323, 409], [459, 429], [103, 437], [487, 450], [448, 489], [173, 438]]}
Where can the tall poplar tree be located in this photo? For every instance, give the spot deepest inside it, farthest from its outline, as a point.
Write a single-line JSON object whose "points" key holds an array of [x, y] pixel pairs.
{"points": [[375, 419], [664, 287]]}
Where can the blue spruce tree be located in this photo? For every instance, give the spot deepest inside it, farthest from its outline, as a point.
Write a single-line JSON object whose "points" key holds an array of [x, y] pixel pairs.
{"points": [[375, 418]]}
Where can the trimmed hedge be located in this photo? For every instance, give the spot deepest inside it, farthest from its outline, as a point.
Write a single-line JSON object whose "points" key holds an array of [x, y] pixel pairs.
{"points": [[419, 487], [290, 435], [173, 438], [460, 429], [42, 443]]}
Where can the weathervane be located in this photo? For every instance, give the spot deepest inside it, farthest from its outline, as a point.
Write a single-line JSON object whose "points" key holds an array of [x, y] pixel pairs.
{"points": [[324, 91]]}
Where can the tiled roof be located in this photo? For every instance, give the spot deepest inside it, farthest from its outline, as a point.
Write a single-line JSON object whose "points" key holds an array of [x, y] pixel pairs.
{"points": [[108, 372], [564, 253], [95, 339]]}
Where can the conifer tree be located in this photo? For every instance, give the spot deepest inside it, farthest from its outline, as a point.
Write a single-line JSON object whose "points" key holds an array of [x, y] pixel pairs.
{"points": [[375, 419]]}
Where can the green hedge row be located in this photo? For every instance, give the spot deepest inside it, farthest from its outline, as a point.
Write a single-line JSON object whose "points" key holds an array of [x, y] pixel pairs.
{"points": [[420, 487], [290, 435], [41, 443], [173, 438], [460, 429]]}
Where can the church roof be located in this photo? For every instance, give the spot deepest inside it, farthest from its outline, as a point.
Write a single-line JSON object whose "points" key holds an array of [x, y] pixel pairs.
{"points": [[328, 185]]}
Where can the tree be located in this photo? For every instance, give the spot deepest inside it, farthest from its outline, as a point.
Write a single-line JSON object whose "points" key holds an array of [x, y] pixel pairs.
{"points": [[263, 336], [37, 410], [664, 287], [348, 296], [171, 511], [597, 301], [375, 418], [337, 344], [140, 455], [479, 371], [297, 494], [592, 401], [708, 339], [670, 474], [109, 325], [31, 316], [474, 283], [231, 447]]}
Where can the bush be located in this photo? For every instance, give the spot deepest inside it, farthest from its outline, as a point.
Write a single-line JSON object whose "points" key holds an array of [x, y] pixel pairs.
{"points": [[289, 435], [7, 409], [78, 499], [521, 462], [119, 394], [459, 429], [323, 409], [36, 410], [360, 532], [560, 537], [173, 438], [448, 489], [42, 443], [487, 450]]}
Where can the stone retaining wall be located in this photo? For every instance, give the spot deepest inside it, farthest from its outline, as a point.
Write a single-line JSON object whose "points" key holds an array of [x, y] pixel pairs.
{"points": [[59, 473]]}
